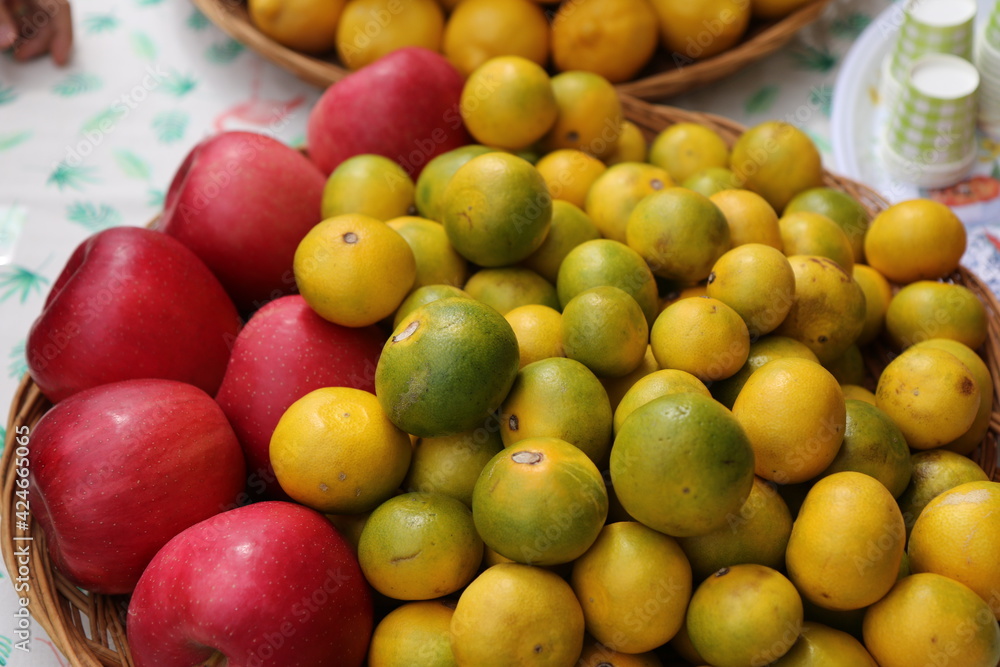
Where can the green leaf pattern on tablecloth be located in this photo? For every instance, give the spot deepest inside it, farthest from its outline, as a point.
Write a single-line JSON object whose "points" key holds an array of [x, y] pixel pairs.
{"points": [[77, 84], [169, 126], [851, 26], [7, 94], [143, 46], [156, 198], [131, 164], [762, 101], [98, 23], [817, 59], [822, 97], [93, 217], [104, 121], [73, 177], [178, 84], [8, 141], [17, 281], [197, 20], [224, 52], [3, 439], [17, 362], [6, 646]]}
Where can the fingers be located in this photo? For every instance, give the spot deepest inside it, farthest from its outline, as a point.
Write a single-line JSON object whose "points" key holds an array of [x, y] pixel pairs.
{"points": [[8, 33], [62, 33]]}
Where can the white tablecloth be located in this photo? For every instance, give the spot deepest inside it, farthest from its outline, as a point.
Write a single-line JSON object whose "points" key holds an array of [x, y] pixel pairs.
{"points": [[163, 78]]}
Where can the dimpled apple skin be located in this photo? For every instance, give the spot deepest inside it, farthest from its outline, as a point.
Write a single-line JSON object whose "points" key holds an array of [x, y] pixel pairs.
{"points": [[404, 106], [130, 304], [118, 470], [269, 585], [286, 351], [242, 202]]}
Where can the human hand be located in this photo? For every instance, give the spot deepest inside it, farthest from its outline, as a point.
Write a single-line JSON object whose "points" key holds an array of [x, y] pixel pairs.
{"points": [[34, 27]]}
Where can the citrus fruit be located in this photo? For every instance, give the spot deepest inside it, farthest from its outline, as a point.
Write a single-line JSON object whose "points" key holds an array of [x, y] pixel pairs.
{"points": [[777, 161], [828, 313], [878, 294], [515, 614], [303, 25], [419, 546], [538, 330], [370, 185], [558, 398], [702, 29], [569, 173], [617, 387], [349, 526], [497, 209], [681, 644], [702, 336], [927, 309], [446, 366], [354, 270], [450, 464], [874, 445], [590, 114], [334, 450], [654, 385], [927, 619], [370, 29], [540, 502], [569, 228], [510, 287], [508, 102], [479, 30], [744, 615], [847, 542], [711, 181], [757, 533], [437, 262], [848, 368], [967, 442], [436, 175], [616, 192], [793, 412], [685, 149], [613, 38], [958, 535], [605, 262], [414, 629], [757, 282], [821, 645], [775, 9], [935, 472], [424, 295], [930, 395], [596, 654], [840, 207], [751, 219], [807, 233], [631, 146], [915, 240], [605, 329], [679, 233], [629, 567], [681, 465], [762, 351]]}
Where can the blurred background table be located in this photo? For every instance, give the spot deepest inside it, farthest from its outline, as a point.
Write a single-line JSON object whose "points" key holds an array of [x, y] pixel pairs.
{"points": [[95, 144]]}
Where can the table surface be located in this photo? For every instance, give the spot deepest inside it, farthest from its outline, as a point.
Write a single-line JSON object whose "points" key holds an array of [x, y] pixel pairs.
{"points": [[161, 77]]}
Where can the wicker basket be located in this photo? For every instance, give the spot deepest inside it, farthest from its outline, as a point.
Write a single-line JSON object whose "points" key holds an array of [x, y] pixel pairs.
{"points": [[90, 628], [658, 80]]}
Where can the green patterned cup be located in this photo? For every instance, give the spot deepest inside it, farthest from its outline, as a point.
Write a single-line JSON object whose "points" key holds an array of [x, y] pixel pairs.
{"points": [[932, 130], [991, 36], [933, 26]]}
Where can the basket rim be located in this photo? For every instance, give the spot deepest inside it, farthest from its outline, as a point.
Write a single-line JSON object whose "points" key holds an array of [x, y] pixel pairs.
{"points": [[59, 607], [232, 17]]}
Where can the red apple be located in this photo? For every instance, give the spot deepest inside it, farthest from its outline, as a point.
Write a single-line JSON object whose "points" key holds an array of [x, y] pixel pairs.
{"points": [[286, 351], [242, 202], [404, 106], [268, 585], [118, 470], [131, 303]]}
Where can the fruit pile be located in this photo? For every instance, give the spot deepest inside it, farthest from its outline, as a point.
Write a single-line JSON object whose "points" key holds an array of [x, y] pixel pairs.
{"points": [[613, 38], [538, 400]]}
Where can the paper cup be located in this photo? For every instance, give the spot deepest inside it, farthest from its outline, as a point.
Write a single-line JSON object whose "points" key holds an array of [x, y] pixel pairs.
{"points": [[991, 34], [931, 133], [988, 63], [890, 89], [933, 26]]}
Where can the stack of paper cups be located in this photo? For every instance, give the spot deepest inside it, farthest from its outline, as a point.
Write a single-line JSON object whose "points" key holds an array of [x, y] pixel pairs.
{"points": [[930, 140], [988, 61], [927, 26]]}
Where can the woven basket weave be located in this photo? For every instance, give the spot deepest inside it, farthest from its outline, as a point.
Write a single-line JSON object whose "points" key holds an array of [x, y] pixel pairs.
{"points": [[90, 630], [660, 79]]}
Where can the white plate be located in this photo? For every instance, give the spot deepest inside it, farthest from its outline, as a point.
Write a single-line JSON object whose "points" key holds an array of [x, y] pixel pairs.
{"points": [[856, 118]]}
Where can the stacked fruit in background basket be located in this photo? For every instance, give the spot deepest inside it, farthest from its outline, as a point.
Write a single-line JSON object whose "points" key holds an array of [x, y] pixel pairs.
{"points": [[582, 409], [615, 38]]}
